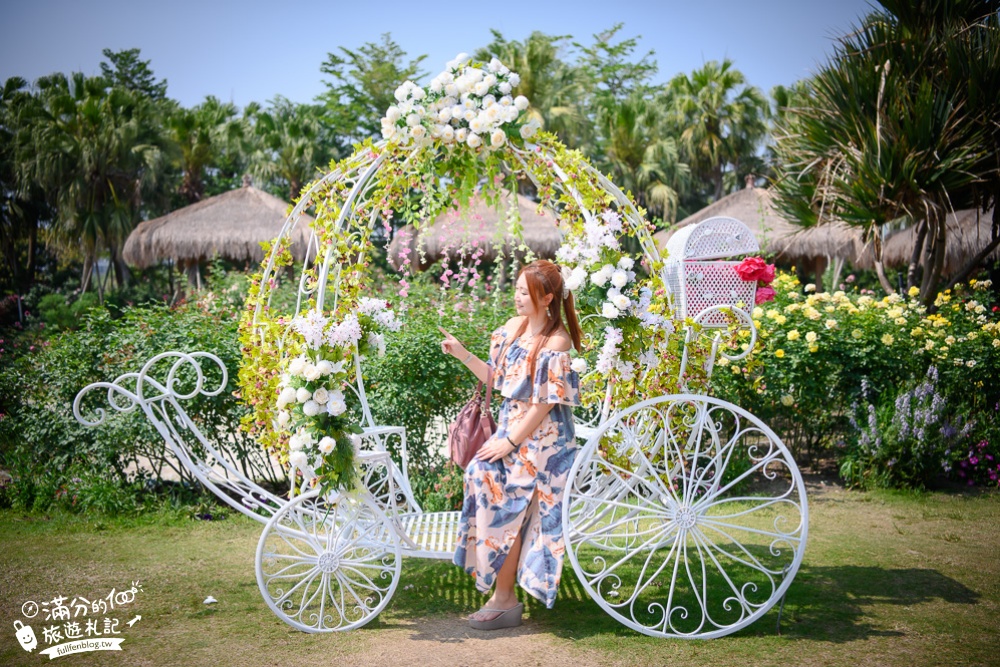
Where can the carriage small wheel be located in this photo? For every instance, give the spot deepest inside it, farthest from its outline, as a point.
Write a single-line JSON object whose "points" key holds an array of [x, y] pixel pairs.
{"points": [[685, 516], [329, 563]]}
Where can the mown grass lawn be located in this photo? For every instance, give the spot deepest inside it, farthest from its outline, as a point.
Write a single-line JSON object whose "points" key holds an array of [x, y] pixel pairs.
{"points": [[888, 579]]}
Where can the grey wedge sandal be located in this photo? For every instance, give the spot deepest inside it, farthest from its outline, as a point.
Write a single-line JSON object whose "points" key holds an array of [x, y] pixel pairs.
{"points": [[508, 618]]}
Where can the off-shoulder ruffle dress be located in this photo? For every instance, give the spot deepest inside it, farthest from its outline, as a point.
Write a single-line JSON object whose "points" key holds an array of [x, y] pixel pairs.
{"points": [[523, 490]]}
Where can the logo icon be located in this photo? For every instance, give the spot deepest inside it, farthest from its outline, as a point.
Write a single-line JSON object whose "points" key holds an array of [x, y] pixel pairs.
{"points": [[29, 609], [26, 636]]}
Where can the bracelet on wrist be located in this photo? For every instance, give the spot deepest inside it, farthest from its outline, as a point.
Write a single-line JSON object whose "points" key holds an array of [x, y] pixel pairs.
{"points": [[512, 444], [466, 360]]}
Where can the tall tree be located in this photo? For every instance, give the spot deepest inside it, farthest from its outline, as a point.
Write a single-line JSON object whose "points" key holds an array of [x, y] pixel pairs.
{"points": [[722, 121], [362, 86], [96, 150], [902, 126], [22, 203], [638, 156], [290, 143], [124, 69], [202, 135]]}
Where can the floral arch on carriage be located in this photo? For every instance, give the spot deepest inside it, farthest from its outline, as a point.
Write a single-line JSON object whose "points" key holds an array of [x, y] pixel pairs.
{"points": [[684, 516]]}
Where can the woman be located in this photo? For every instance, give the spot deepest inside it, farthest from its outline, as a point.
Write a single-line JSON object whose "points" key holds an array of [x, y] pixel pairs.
{"points": [[511, 527]]}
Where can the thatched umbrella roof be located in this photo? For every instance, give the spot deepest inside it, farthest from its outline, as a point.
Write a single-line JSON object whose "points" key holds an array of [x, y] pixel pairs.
{"points": [[787, 241], [230, 225], [480, 226], [968, 232]]}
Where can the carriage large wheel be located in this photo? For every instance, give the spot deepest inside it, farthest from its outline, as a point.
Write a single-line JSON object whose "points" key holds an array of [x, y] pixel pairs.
{"points": [[326, 564], [685, 516]]}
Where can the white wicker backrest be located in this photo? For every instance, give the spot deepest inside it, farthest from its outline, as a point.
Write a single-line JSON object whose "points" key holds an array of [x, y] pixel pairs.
{"points": [[698, 281]]}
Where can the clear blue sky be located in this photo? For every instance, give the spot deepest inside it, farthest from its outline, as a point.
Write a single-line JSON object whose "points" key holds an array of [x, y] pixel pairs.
{"points": [[251, 51]]}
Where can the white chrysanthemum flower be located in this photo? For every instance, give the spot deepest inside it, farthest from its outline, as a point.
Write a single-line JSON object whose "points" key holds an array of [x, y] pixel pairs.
{"points": [[626, 263], [621, 301], [324, 367], [310, 408], [609, 310], [504, 87], [302, 395], [514, 79], [297, 365], [311, 372], [579, 365], [283, 418], [619, 278]]}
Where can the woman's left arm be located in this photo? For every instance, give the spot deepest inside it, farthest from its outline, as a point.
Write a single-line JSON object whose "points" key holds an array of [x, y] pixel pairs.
{"points": [[495, 449]]}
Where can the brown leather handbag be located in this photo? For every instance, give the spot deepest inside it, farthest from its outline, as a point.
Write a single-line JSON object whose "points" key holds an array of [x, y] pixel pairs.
{"points": [[474, 424]]}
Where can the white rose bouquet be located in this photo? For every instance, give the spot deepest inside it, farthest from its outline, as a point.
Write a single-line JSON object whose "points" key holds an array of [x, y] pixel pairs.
{"points": [[469, 104], [313, 399]]}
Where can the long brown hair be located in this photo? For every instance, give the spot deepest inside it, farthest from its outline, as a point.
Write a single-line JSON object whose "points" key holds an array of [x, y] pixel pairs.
{"points": [[544, 278]]}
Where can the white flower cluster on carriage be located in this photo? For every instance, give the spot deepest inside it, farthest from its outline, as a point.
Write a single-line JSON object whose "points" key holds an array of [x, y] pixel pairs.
{"points": [[311, 400], [466, 104], [594, 261]]}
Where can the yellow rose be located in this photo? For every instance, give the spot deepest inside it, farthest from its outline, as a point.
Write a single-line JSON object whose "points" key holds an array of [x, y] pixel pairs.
{"points": [[811, 336], [814, 348], [900, 321], [950, 340], [831, 324], [779, 353], [781, 319], [793, 334], [857, 333], [996, 342], [914, 291], [887, 339], [787, 400]]}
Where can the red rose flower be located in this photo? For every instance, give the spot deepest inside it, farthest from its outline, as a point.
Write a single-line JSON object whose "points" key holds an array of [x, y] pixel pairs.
{"points": [[754, 269], [763, 295]]}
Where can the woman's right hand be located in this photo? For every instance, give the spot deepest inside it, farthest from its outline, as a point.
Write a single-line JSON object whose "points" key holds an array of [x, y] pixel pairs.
{"points": [[450, 345]]}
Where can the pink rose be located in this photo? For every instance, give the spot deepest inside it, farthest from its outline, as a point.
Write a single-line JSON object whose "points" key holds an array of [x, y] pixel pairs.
{"points": [[754, 269], [763, 295]]}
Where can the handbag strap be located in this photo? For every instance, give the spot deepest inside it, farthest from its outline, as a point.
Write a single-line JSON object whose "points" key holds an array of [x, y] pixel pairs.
{"points": [[489, 378]]}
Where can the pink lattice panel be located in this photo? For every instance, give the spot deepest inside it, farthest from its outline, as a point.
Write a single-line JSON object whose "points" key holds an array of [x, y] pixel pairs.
{"points": [[708, 284]]}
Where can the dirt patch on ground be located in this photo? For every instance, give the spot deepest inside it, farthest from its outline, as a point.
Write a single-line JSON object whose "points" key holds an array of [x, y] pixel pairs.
{"points": [[451, 642]]}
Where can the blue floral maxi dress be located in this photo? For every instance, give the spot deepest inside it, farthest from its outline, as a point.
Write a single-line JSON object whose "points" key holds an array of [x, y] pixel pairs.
{"points": [[523, 490]]}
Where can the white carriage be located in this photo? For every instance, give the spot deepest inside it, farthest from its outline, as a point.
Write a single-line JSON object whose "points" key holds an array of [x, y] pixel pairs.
{"points": [[684, 515]]}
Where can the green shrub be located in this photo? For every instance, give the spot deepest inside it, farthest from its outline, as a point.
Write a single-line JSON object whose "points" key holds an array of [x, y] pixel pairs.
{"points": [[816, 352], [43, 446]]}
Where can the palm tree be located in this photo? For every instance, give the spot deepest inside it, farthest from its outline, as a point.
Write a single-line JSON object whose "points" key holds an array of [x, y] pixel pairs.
{"points": [[721, 120], [901, 128], [202, 134], [639, 157], [22, 205], [95, 151], [290, 143]]}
